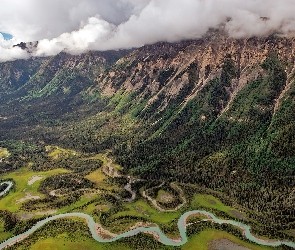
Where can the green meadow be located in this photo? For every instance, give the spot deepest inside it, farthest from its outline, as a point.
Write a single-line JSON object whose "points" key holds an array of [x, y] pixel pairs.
{"points": [[56, 152], [81, 205], [209, 201], [202, 241], [22, 178], [165, 197], [28, 181], [142, 209], [101, 180], [4, 235], [4, 153], [64, 244]]}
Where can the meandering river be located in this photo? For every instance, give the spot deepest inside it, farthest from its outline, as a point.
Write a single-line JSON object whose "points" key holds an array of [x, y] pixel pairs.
{"points": [[155, 230], [162, 237]]}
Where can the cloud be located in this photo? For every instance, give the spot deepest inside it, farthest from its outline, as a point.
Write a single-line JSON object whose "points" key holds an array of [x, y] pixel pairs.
{"points": [[80, 25], [8, 52]]}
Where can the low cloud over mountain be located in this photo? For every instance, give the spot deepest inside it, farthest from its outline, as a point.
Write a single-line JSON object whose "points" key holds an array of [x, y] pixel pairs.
{"points": [[80, 25]]}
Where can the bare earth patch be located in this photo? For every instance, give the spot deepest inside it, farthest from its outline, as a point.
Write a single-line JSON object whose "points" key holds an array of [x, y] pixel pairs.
{"points": [[103, 208], [28, 197], [165, 197], [103, 233], [238, 215], [29, 216], [34, 179], [225, 244], [25, 216], [211, 201], [143, 224], [47, 212]]}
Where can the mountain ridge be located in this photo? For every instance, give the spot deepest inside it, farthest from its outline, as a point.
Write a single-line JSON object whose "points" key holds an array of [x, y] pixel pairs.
{"points": [[215, 111]]}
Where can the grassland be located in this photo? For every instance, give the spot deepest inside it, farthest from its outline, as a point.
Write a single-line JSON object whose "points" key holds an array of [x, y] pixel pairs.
{"points": [[94, 206], [127, 216], [209, 201], [4, 235], [201, 240], [197, 242], [71, 233], [104, 159], [101, 180], [22, 187], [64, 244], [142, 209], [99, 157], [165, 197], [56, 152], [80, 205], [4, 153]]}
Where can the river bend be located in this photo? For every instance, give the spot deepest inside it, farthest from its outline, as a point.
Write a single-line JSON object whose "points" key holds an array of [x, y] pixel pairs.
{"points": [[162, 237], [155, 230]]}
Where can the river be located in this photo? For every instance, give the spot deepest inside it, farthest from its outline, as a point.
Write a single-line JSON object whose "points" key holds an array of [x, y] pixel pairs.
{"points": [[156, 230], [6, 190], [162, 237]]}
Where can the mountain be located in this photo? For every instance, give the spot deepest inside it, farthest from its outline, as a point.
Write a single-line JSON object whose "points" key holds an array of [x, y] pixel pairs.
{"points": [[215, 111], [42, 90]]}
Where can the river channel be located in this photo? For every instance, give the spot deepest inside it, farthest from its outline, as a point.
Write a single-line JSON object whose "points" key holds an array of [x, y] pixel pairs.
{"points": [[6, 190], [156, 230]]}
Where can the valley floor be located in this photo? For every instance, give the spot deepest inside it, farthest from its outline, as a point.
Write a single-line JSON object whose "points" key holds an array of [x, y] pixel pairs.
{"points": [[117, 203]]}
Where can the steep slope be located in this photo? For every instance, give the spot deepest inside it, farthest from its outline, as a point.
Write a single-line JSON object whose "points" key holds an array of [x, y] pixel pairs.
{"points": [[166, 77], [14, 74], [216, 111], [155, 84], [42, 91]]}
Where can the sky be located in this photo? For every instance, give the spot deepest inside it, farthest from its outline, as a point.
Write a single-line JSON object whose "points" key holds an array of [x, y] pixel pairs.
{"points": [[6, 36], [76, 26]]}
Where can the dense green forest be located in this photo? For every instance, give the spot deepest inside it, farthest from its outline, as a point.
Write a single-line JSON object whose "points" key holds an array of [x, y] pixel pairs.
{"points": [[169, 113]]}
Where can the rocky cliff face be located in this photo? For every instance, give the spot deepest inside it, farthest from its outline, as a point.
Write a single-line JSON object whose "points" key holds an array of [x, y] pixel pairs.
{"points": [[165, 76]]}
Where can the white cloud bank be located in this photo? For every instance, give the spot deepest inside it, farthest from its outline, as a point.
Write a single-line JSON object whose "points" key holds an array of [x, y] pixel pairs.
{"points": [[80, 25]]}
